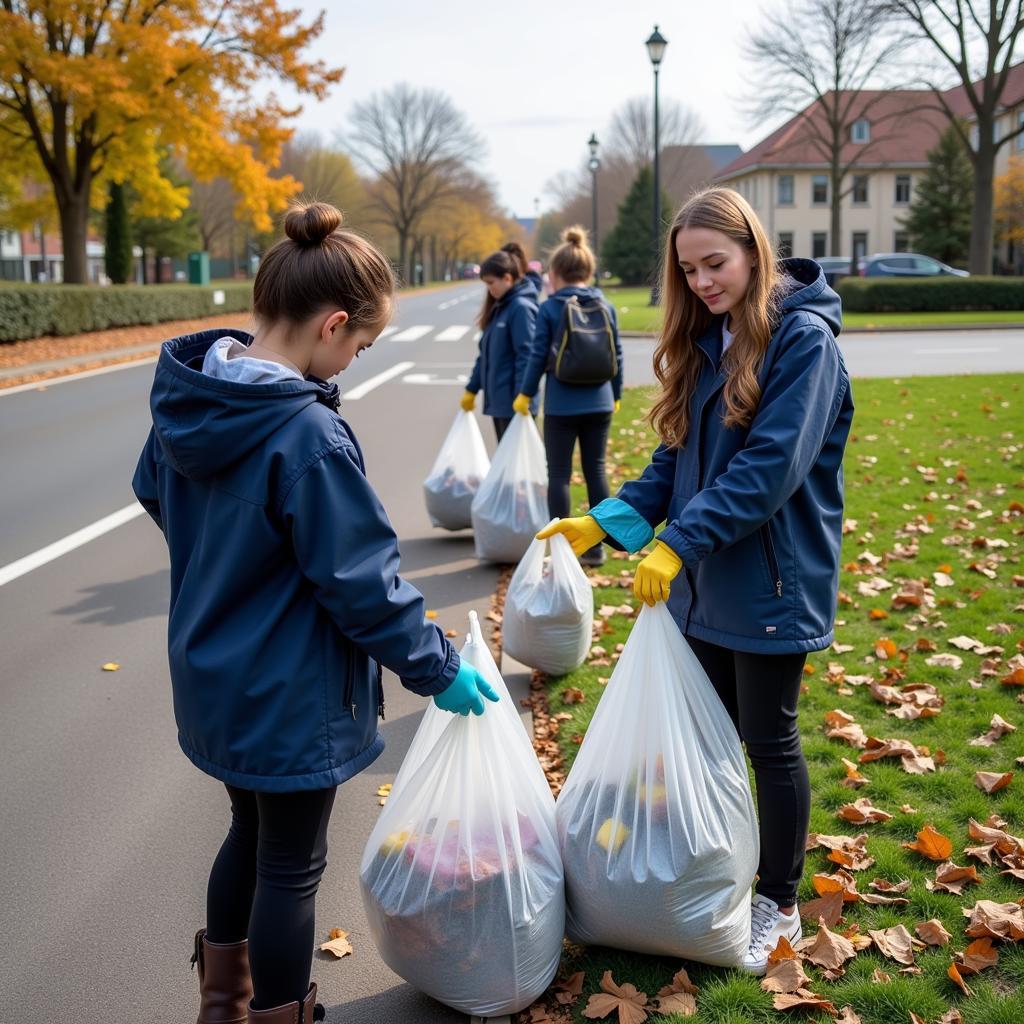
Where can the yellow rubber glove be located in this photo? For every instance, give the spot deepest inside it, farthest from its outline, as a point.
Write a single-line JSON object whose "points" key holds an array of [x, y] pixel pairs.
{"points": [[582, 533], [618, 405], [522, 405], [467, 401], [654, 575]]}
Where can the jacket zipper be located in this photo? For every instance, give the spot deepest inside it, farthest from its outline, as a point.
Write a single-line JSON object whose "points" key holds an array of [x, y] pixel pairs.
{"points": [[350, 682], [769, 554], [380, 689]]}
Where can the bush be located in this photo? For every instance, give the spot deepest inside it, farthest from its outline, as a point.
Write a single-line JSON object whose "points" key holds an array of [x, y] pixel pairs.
{"points": [[930, 294], [29, 311]]}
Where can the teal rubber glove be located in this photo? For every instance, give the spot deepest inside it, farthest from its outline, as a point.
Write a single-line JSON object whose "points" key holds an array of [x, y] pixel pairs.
{"points": [[464, 692]]}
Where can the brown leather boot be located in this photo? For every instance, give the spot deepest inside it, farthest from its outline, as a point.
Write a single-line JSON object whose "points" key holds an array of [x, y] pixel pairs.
{"points": [[306, 1012], [225, 986]]}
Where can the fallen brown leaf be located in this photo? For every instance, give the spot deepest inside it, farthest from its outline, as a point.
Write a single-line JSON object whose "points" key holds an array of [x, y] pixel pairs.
{"points": [[573, 695], [337, 943], [992, 782], [978, 956], [785, 976], [952, 879], [954, 976], [933, 932], [995, 920], [829, 949], [622, 999], [803, 999], [862, 812], [998, 728], [829, 908], [883, 885], [895, 943], [847, 1016], [931, 844]]}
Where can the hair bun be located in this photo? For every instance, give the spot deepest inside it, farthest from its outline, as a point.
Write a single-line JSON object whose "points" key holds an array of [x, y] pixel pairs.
{"points": [[575, 235], [310, 224]]}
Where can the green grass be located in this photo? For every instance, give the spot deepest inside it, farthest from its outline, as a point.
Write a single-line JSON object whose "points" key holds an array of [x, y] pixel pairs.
{"points": [[635, 314], [968, 427]]}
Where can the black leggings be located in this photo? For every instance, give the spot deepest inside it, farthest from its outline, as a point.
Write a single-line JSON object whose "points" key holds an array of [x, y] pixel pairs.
{"points": [[761, 692], [560, 434], [501, 425], [263, 886]]}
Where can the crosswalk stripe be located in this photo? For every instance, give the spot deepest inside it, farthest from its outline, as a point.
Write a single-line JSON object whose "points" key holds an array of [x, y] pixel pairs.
{"points": [[387, 332], [413, 333], [453, 333]]}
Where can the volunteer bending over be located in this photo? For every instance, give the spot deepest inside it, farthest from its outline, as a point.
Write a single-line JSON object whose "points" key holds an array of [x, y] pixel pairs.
{"points": [[753, 415]]}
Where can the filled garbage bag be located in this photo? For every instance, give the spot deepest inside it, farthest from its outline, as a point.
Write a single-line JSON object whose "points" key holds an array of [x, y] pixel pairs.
{"points": [[549, 609], [461, 877], [512, 503], [460, 468], [656, 822]]}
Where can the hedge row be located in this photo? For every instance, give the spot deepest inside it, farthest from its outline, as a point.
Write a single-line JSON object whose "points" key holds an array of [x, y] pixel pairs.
{"points": [[930, 294], [29, 311]]}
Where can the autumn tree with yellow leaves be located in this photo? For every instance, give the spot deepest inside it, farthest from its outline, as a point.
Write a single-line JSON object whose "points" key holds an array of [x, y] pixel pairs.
{"points": [[1009, 205], [92, 92]]}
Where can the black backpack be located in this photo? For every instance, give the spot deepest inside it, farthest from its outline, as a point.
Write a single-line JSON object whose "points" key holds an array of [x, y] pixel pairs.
{"points": [[583, 350]]}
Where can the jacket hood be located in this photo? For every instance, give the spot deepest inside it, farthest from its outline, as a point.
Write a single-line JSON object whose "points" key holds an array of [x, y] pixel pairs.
{"points": [[804, 287], [581, 290], [204, 423], [524, 287]]}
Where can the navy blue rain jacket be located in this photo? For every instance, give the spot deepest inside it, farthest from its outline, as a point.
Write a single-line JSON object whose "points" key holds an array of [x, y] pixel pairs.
{"points": [[504, 348], [568, 399], [756, 513], [285, 593]]}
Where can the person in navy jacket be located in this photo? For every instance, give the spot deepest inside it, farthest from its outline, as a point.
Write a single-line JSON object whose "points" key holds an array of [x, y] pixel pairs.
{"points": [[572, 412], [285, 598], [518, 253], [506, 320], [754, 412]]}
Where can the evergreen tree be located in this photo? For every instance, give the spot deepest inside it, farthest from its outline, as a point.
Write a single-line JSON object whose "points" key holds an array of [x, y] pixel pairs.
{"points": [[629, 251], [117, 257], [939, 221]]}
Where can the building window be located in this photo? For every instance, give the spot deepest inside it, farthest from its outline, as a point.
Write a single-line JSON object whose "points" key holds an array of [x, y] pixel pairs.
{"points": [[819, 189], [901, 241], [819, 244], [860, 248], [860, 189], [861, 130], [785, 190], [902, 189], [785, 244]]}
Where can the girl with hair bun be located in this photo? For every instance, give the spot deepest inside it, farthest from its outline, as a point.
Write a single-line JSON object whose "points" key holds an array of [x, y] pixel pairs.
{"points": [[518, 253], [285, 599], [506, 322], [573, 411], [753, 414]]}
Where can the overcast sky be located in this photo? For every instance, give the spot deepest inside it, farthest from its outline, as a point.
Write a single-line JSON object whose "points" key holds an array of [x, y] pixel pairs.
{"points": [[536, 79]]}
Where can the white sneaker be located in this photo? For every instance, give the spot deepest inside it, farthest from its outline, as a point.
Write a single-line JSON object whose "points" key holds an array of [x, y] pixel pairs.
{"points": [[767, 926]]}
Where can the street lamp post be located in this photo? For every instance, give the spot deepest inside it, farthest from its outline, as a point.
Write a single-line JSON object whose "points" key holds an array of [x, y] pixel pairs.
{"points": [[595, 166], [656, 44]]}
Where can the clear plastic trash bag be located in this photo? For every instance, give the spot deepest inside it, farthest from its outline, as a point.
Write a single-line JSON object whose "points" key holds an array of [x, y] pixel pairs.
{"points": [[512, 503], [656, 822], [459, 470], [549, 609], [461, 877]]}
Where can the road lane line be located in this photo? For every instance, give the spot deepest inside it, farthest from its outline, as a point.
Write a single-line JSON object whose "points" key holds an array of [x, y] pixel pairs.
{"points": [[70, 542], [375, 382], [413, 333], [67, 378], [386, 333], [951, 351], [453, 333]]}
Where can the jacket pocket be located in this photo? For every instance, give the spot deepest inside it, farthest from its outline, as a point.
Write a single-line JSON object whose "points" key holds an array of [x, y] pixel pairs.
{"points": [[768, 546], [380, 689], [350, 680]]}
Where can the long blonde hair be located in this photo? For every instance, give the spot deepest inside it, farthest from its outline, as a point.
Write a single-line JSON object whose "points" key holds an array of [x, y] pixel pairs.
{"points": [[677, 358]]}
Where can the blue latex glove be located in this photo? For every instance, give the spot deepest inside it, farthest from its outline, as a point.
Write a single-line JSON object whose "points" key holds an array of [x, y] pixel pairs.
{"points": [[464, 692]]}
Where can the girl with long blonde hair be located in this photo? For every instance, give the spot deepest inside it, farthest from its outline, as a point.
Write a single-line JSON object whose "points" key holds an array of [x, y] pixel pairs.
{"points": [[753, 414]]}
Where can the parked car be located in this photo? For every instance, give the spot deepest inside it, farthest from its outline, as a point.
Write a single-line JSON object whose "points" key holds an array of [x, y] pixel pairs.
{"points": [[834, 267], [906, 264], [470, 270]]}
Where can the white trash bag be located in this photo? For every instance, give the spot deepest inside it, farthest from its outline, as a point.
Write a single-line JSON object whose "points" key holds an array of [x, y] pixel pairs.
{"points": [[512, 503], [459, 470], [461, 877], [549, 609], [656, 822], [435, 721]]}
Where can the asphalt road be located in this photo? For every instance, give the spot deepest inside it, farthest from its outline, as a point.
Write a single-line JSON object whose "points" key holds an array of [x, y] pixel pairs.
{"points": [[107, 830]]}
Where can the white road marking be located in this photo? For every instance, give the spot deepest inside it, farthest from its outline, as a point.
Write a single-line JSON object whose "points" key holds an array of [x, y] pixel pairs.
{"points": [[430, 378], [42, 385], [375, 382], [70, 542], [951, 351], [386, 333], [413, 333], [453, 333], [448, 304]]}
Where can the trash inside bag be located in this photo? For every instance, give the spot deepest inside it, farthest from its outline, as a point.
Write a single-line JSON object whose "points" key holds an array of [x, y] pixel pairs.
{"points": [[656, 821], [549, 609], [512, 503], [459, 470], [461, 877]]}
